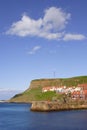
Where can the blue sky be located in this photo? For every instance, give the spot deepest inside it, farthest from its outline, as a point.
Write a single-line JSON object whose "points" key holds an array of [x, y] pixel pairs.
{"points": [[40, 37]]}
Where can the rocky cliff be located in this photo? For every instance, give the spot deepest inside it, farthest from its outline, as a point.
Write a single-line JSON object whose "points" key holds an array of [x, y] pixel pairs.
{"points": [[74, 81], [55, 106], [44, 82]]}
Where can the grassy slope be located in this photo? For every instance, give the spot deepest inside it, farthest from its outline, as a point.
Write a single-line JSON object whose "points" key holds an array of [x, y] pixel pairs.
{"points": [[35, 91]]}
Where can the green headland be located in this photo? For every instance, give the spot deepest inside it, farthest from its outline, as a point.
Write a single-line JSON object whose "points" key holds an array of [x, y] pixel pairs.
{"points": [[34, 92]]}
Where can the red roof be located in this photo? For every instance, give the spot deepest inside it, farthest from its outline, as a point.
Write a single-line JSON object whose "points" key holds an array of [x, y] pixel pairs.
{"points": [[84, 86], [85, 92], [76, 93]]}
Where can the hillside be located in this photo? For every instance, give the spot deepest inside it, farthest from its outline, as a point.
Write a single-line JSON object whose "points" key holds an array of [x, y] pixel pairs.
{"points": [[34, 92]]}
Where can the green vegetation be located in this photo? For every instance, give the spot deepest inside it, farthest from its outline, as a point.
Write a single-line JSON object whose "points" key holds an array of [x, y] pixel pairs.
{"points": [[34, 93], [74, 81], [45, 96]]}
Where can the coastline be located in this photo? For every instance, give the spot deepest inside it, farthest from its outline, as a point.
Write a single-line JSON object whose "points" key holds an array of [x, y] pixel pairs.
{"points": [[49, 106], [44, 106]]}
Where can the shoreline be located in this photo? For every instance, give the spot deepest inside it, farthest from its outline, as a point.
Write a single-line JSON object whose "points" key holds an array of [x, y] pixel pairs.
{"points": [[41, 106], [49, 106]]}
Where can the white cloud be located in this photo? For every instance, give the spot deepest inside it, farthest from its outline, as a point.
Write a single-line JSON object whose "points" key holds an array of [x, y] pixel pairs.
{"points": [[34, 50], [69, 37], [26, 26], [50, 26], [55, 19]]}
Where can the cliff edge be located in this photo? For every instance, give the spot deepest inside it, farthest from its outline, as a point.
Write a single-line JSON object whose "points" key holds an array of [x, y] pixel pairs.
{"points": [[34, 91]]}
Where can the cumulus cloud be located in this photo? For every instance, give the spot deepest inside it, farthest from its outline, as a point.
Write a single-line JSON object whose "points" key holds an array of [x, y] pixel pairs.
{"points": [[69, 37], [34, 50], [55, 19], [26, 26], [50, 26]]}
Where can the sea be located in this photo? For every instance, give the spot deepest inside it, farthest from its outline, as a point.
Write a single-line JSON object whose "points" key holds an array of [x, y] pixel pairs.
{"points": [[15, 116]]}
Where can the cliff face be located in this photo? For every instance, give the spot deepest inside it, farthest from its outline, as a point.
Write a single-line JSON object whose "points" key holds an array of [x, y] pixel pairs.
{"points": [[74, 81], [44, 82], [55, 106]]}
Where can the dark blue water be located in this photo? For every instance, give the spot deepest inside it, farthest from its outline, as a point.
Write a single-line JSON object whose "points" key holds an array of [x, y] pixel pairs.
{"points": [[19, 117]]}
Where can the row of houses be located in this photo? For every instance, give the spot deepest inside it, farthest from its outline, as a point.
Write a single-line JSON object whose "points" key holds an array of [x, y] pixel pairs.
{"points": [[76, 92]]}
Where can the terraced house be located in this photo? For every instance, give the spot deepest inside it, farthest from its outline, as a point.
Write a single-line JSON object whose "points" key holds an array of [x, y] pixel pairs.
{"points": [[76, 92]]}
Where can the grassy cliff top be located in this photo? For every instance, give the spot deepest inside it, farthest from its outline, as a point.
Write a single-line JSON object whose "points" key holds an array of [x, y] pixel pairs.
{"points": [[34, 92], [74, 81]]}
